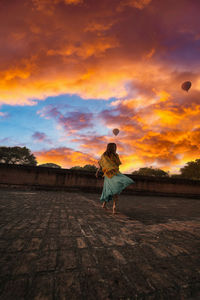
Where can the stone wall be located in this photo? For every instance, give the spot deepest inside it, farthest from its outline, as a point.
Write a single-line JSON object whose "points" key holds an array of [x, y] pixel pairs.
{"points": [[51, 178]]}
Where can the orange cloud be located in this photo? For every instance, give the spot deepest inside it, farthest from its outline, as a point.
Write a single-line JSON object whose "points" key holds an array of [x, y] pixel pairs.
{"points": [[159, 132], [73, 1], [136, 51], [140, 4], [96, 47], [64, 157], [58, 48]]}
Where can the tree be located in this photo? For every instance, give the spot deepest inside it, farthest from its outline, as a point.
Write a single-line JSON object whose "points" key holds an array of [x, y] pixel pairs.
{"points": [[17, 155], [76, 168], [90, 168], [150, 172], [191, 170], [50, 165]]}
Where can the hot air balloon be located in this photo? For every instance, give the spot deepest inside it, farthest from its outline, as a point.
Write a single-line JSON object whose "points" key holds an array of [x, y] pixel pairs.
{"points": [[186, 85], [116, 131]]}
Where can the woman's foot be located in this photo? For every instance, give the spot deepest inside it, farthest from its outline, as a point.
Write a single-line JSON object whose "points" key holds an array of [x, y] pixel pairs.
{"points": [[114, 210], [104, 205], [114, 204]]}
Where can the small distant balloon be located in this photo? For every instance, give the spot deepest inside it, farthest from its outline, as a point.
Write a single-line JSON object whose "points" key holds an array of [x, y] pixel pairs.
{"points": [[116, 131], [186, 85]]}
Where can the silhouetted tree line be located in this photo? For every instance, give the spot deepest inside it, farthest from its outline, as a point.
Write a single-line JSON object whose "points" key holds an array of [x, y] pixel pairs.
{"points": [[90, 168], [190, 171], [23, 156], [50, 165], [150, 172], [17, 155]]}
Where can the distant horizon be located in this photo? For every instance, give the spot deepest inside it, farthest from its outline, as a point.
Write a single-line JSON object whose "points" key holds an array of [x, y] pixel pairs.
{"points": [[93, 164], [73, 70]]}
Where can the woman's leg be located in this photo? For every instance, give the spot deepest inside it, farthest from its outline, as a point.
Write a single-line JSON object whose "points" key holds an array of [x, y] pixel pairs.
{"points": [[115, 198], [104, 204]]}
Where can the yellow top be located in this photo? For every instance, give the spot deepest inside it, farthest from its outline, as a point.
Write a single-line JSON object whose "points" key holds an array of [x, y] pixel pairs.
{"points": [[110, 165]]}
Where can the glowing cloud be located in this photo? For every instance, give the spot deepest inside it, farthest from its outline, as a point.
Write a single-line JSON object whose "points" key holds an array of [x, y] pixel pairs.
{"points": [[65, 157], [140, 4], [99, 55], [138, 52]]}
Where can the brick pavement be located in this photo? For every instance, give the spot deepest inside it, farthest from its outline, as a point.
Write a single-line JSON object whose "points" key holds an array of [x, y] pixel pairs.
{"points": [[60, 245]]}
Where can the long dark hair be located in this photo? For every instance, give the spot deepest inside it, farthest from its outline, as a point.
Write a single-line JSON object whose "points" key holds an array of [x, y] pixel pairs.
{"points": [[110, 149]]}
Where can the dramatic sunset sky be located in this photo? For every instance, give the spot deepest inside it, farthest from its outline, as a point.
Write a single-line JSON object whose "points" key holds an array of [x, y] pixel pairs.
{"points": [[72, 70]]}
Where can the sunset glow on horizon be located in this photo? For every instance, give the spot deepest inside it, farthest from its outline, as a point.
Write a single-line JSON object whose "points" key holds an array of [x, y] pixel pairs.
{"points": [[72, 70]]}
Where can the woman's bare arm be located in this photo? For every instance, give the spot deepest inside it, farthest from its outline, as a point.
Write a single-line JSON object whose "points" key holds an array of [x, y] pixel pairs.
{"points": [[97, 172]]}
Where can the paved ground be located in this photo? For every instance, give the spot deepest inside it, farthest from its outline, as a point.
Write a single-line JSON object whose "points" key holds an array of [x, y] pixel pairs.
{"points": [[59, 245]]}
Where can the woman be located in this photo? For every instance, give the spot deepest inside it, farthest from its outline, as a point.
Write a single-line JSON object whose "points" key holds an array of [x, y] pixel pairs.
{"points": [[114, 181]]}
